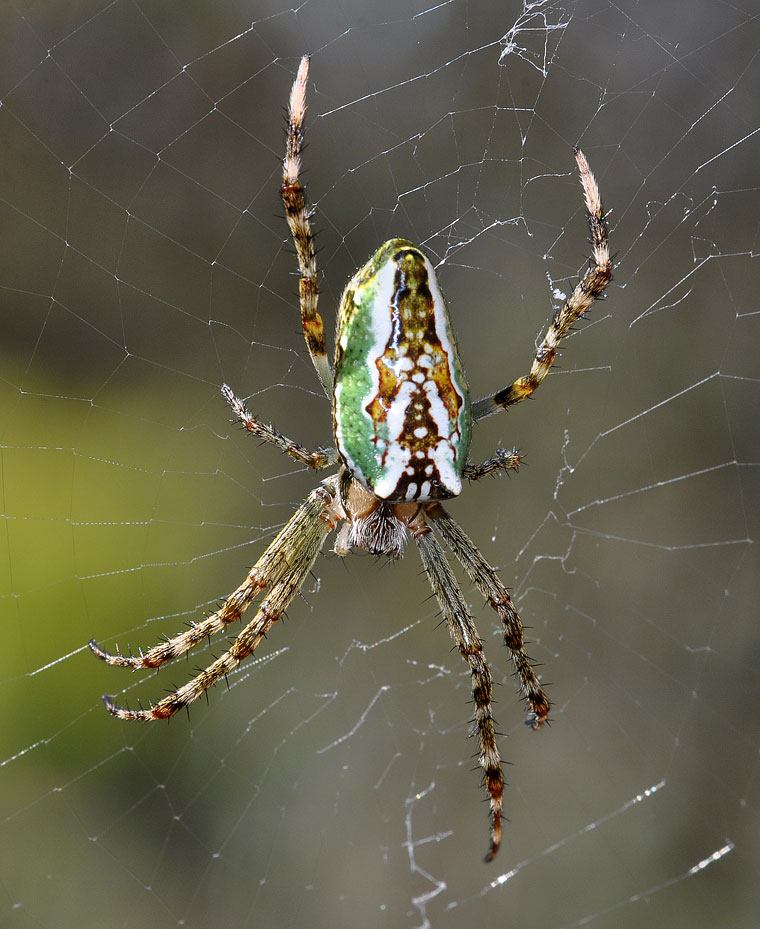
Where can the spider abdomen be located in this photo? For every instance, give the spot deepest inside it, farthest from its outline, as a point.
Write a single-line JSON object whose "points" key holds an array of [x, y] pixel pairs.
{"points": [[401, 408]]}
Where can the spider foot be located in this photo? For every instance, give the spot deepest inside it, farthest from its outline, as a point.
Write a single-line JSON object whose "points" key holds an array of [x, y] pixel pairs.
{"points": [[121, 661], [157, 711], [121, 712], [535, 722], [495, 828], [539, 707]]}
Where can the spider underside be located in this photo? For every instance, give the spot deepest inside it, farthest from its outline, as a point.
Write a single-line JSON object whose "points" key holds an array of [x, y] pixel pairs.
{"points": [[369, 515]]}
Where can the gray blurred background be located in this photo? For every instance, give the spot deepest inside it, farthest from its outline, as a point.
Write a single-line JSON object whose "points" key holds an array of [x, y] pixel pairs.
{"points": [[145, 261]]}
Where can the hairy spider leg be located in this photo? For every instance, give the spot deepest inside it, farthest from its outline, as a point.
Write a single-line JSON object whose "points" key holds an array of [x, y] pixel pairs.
{"points": [[589, 289], [488, 582], [283, 568], [297, 215], [465, 635]]}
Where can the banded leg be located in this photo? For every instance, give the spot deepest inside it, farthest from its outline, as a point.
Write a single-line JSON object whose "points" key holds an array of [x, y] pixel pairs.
{"points": [[488, 582], [321, 458], [589, 289], [502, 460], [465, 635], [291, 553], [297, 215]]}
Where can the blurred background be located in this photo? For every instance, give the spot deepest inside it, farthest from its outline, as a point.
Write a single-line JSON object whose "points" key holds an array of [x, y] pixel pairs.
{"points": [[145, 261]]}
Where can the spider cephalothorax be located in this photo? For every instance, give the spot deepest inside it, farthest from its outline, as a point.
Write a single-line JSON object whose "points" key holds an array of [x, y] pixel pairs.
{"points": [[375, 525], [402, 422]]}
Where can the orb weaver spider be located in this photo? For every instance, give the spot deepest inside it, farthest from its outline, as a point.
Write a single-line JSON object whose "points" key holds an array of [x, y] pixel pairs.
{"points": [[402, 421]]}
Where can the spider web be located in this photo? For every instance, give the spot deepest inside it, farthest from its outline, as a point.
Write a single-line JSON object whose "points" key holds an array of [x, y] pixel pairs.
{"points": [[145, 261]]}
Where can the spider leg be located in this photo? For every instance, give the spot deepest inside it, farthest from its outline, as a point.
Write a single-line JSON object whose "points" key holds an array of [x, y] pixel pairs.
{"points": [[297, 215], [465, 635], [288, 558], [485, 578], [501, 461], [589, 289], [321, 458]]}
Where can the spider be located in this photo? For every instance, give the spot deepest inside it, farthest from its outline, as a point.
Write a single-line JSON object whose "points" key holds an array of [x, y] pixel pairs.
{"points": [[402, 420]]}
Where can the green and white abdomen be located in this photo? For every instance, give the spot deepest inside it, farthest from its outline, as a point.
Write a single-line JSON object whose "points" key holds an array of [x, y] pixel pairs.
{"points": [[401, 409]]}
